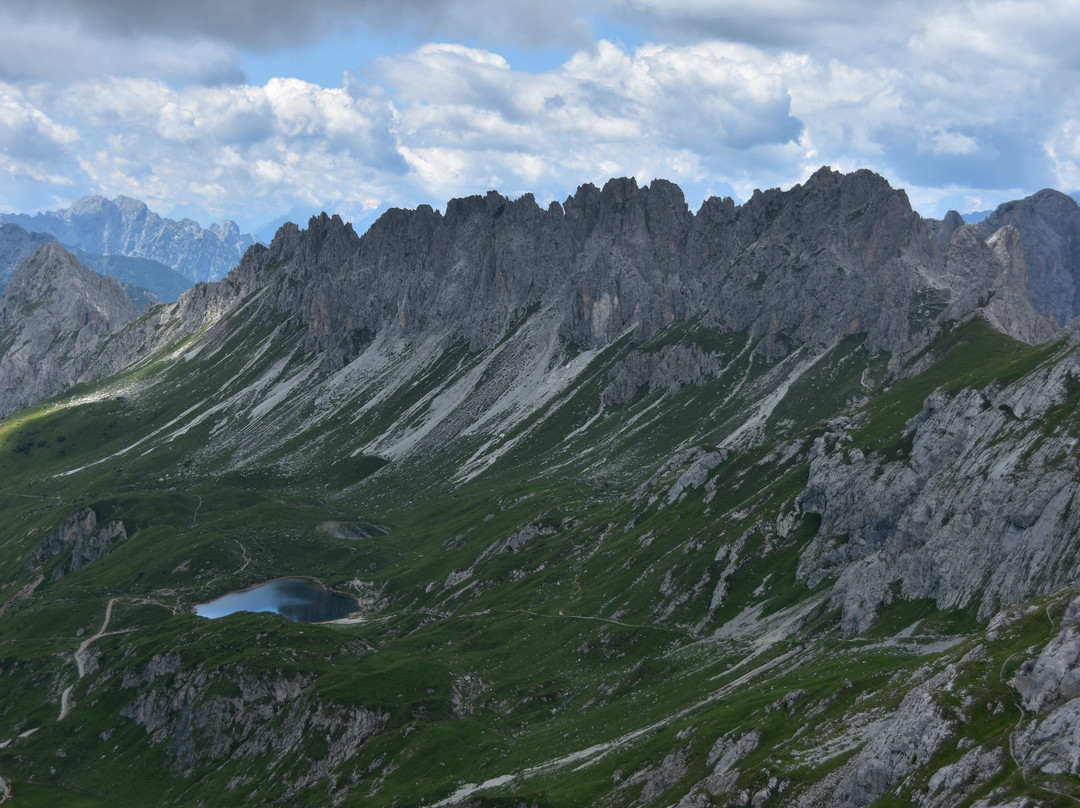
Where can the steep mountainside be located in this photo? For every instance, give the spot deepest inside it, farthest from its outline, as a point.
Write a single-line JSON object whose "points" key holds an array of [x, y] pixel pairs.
{"points": [[765, 505], [54, 316], [1049, 226], [127, 227]]}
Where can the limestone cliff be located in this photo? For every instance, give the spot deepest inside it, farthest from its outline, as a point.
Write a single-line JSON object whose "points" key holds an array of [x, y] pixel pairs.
{"points": [[55, 317], [1049, 226]]}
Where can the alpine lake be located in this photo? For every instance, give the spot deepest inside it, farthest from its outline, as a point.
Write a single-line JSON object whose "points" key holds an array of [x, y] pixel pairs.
{"points": [[302, 600]]}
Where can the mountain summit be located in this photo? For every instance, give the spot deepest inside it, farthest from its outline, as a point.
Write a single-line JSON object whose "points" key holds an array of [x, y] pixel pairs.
{"points": [[125, 226]]}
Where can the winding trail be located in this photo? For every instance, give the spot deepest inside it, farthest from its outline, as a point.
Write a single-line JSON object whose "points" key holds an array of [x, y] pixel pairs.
{"points": [[566, 616], [1020, 721], [81, 654]]}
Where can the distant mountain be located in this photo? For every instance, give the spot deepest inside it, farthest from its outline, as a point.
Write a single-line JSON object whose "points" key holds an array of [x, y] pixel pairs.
{"points": [[975, 216], [1049, 226], [166, 284], [16, 244], [125, 226]]}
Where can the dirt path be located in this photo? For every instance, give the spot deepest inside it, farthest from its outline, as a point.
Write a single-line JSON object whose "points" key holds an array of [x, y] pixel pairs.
{"points": [[1020, 722], [81, 654]]}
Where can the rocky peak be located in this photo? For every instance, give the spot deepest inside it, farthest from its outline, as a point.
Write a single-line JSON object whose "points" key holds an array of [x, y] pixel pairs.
{"points": [[942, 231], [73, 310], [126, 226], [1048, 223], [991, 275]]}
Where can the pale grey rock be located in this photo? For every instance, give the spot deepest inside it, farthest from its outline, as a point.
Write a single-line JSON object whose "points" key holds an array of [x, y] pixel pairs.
{"points": [[55, 317], [1049, 226], [980, 513], [724, 756], [991, 274], [1054, 677], [697, 474], [671, 770], [991, 802], [670, 368], [87, 540], [1052, 743], [268, 719], [908, 740], [952, 784], [526, 534]]}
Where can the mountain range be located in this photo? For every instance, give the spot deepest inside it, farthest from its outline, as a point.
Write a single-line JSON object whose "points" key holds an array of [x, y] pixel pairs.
{"points": [[127, 227], [763, 504]]}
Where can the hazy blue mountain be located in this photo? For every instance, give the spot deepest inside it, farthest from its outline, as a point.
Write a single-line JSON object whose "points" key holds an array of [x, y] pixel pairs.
{"points": [[166, 284], [17, 244], [125, 226]]}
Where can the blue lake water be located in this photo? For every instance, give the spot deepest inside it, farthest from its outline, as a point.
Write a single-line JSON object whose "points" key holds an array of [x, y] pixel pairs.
{"points": [[302, 600]]}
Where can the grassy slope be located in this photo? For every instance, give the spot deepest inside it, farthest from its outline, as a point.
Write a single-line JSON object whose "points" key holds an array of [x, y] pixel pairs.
{"points": [[598, 627]]}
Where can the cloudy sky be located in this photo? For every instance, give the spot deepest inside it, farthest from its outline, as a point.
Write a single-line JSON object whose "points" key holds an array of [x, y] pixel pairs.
{"points": [[257, 109]]}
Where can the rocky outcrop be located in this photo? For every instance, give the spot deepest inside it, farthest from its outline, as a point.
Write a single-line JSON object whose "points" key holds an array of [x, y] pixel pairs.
{"points": [[268, 716], [1049, 686], [84, 536], [125, 226], [979, 514], [1049, 226], [55, 317], [991, 275], [670, 368], [906, 740]]}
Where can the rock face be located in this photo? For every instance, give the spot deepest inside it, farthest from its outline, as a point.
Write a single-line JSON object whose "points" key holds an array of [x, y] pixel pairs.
{"points": [[1050, 688], [840, 255], [991, 274], [87, 540], [979, 514], [271, 717], [908, 740], [1049, 226], [125, 226], [54, 317]]}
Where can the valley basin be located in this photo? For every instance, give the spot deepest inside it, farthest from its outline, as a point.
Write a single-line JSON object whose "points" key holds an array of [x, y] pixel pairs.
{"points": [[302, 600]]}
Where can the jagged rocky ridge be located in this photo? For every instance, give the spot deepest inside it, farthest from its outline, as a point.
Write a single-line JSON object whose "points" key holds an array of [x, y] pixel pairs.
{"points": [[842, 255]]}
